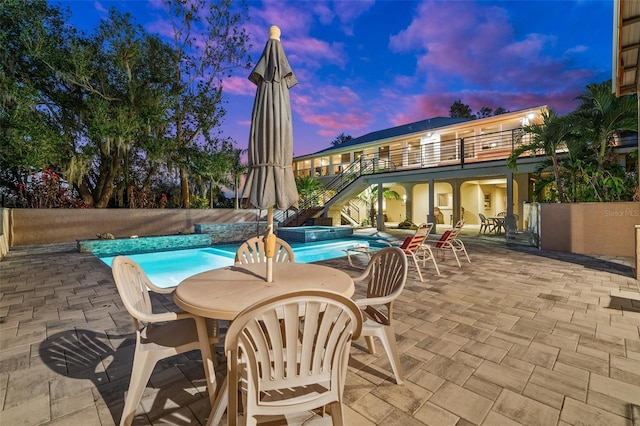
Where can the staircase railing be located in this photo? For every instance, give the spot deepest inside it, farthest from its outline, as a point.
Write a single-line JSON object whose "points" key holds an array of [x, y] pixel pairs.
{"points": [[356, 169], [352, 211]]}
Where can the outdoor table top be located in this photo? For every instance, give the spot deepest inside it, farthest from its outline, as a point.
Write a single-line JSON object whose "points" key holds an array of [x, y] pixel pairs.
{"points": [[223, 293]]}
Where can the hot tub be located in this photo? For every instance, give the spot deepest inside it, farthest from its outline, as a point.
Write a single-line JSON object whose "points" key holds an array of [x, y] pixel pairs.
{"points": [[306, 234]]}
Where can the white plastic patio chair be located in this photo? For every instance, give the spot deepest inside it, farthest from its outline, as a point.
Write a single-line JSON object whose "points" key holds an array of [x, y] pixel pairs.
{"points": [[288, 354], [252, 251], [386, 276], [158, 335]]}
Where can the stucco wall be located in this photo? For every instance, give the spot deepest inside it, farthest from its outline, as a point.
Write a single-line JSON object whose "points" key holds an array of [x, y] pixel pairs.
{"points": [[4, 232], [590, 228], [44, 226]]}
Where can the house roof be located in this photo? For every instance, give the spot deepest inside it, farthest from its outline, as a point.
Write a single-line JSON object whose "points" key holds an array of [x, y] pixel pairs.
{"points": [[405, 129], [626, 47]]}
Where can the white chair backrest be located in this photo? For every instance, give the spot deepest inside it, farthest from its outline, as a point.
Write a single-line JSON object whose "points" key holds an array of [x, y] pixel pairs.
{"points": [[132, 285], [387, 276], [252, 251], [292, 340]]}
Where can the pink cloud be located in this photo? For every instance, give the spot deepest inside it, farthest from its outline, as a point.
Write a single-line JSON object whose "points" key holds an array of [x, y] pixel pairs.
{"points": [[419, 107], [323, 12], [348, 11], [156, 4], [161, 27], [100, 8], [334, 123], [478, 48], [292, 19], [577, 49], [239, 86]]}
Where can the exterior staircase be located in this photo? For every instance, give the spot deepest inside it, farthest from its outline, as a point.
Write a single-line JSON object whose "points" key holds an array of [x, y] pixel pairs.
{"points": [[303, 215], [314, 206]]}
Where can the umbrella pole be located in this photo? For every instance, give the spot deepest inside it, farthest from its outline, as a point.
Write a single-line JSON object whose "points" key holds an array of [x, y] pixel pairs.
{"points": [[270, 244]]}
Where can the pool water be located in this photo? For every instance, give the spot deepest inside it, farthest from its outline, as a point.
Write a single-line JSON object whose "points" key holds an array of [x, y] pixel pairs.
{"points": [[168, 268]]}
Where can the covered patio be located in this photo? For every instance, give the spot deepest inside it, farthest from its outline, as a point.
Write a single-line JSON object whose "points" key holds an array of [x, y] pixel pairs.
{"points": [[517, 337]]}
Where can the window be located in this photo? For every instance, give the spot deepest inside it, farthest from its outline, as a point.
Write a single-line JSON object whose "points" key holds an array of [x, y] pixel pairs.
{"points": [[413, 150]]}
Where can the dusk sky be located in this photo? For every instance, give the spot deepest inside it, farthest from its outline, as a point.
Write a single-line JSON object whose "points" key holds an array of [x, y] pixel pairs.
{"points": [[365, 65]]}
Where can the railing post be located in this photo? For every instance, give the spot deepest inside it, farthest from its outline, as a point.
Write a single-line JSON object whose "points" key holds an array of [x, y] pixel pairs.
{"points": [[462, 152]]}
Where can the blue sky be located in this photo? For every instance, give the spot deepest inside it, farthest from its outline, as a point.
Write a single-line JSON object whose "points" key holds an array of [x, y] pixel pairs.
{"points": [[365, 65]]}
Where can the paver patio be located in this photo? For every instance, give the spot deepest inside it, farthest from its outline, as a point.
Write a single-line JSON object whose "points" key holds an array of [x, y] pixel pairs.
{"points": [[517, 337]]}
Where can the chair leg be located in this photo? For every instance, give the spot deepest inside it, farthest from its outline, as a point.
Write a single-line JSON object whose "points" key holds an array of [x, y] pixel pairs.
{"points": [[465, 251], [220, 405], [370, 344], [391, 347], [415, 262], [337, 414], [432, 257], [456, 256], [143, 365]]}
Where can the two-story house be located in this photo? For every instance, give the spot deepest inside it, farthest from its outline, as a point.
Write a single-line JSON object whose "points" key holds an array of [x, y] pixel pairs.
{"points": [[445, 169]]}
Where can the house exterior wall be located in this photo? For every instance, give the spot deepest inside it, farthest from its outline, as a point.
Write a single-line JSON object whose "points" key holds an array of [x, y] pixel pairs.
{"points": [[4, 232], [420, 203], [471, 201], [487, 138]]}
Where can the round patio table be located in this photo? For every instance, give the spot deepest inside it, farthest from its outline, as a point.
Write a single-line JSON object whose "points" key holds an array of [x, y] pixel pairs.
{"points": [[223, 293], [498, 223]]}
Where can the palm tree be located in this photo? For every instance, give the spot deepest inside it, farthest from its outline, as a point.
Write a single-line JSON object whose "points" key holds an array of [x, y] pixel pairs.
{"points": [[548, 138], [370, 196], [603, 116], [308, 188], [238, 168]]}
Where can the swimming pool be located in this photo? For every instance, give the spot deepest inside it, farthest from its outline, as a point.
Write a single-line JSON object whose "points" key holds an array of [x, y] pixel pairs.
{"points": [[168, 268]]}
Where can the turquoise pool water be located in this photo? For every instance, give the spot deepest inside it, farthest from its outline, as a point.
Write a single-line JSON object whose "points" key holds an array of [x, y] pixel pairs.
{"points": [[168, 268]]}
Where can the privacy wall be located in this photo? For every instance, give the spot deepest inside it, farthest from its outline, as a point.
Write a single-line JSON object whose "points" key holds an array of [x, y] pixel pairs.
{"points": [[44, 226], [590, 228]]}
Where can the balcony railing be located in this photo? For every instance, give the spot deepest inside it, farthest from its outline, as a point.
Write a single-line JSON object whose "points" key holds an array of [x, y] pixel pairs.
{"points": [[470, 149]]}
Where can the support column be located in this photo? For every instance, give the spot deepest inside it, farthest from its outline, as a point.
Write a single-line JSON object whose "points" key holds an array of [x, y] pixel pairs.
{"points": [[431, 217], [380, 213], [455, 187], [408, 207], [509, 222]]}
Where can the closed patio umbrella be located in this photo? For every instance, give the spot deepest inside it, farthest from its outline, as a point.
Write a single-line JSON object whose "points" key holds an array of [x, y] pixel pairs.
{"points": [[270, 180]]}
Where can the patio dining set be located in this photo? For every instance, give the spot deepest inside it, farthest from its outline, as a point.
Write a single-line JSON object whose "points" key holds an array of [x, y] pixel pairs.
{"points": [[287, 342], [494, 224]]}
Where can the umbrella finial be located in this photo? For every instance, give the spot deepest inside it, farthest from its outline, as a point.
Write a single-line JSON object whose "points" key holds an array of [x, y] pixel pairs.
{"points": [[274, 32]]}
